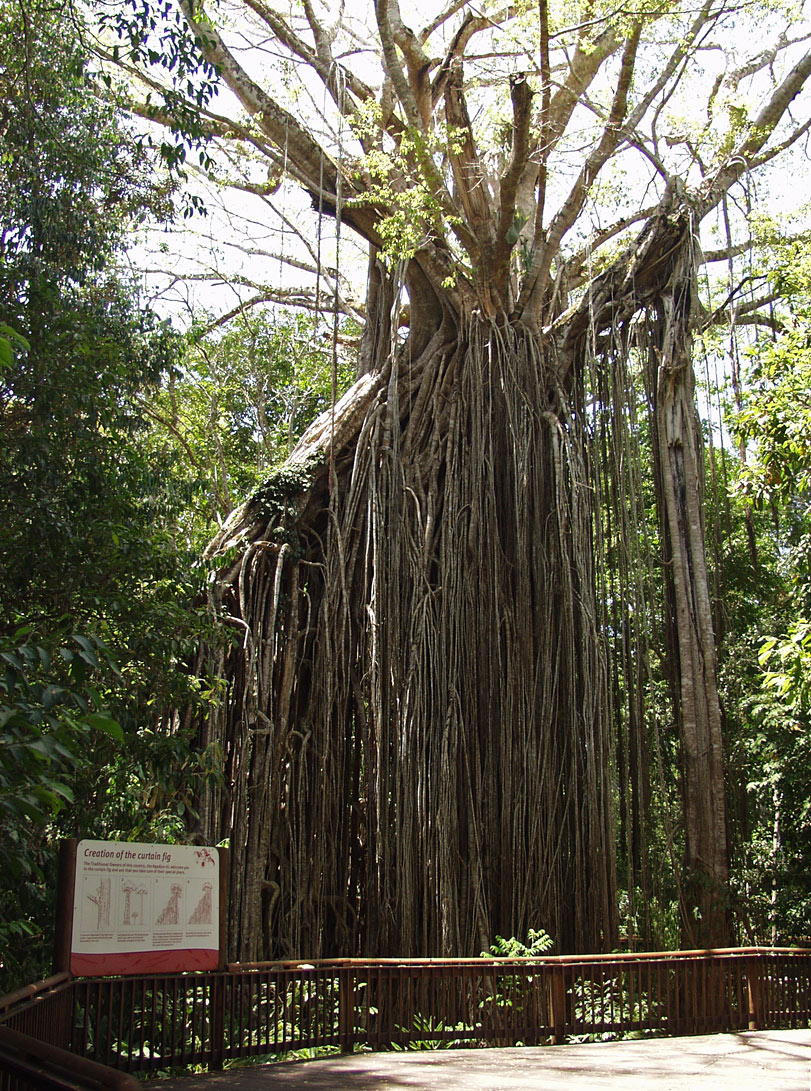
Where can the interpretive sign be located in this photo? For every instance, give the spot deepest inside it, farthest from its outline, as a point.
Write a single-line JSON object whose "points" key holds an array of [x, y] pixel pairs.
{"points": [[145, 908]]}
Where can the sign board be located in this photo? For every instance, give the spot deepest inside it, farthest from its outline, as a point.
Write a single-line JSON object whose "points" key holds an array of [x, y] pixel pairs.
{"points": [[141, 908]]}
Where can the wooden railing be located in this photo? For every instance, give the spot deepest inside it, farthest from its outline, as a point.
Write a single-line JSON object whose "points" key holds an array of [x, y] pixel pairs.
{"points": [[27, 1062], [148, 1023]]}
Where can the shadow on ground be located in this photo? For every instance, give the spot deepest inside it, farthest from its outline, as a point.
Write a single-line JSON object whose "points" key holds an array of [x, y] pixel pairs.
{"points": [[755, 1061]]}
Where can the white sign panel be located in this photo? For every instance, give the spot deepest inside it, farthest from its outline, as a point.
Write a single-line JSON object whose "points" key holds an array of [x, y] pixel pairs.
{"points": [[141, 908]]}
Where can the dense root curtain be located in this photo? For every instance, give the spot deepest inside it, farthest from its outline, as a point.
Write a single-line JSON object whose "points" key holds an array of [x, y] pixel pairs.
{"points": [[416, 727]]}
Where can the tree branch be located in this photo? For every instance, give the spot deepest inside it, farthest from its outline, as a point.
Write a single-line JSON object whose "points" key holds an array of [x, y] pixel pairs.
{"points": [[436, 23], [471, 25], [307, 162], [301, 298], [767, 156], [710, 256], [308, 159], [762, 60], [678, 55], [578, 261], [544, 251], [583, 68], [758, 133], [471, 186], [748, 315], [414, 91], [320, 59], [507, 230], [544, 143], [712, 319]]}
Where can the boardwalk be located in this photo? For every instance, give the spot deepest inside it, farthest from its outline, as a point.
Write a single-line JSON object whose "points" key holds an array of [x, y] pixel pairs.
{"points": [[777, 1060]]}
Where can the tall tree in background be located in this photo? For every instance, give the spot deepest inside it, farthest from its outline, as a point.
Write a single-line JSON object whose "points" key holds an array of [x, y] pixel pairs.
{"points": [[73, 179], [96, 592], [774, 420], [419, 728]]}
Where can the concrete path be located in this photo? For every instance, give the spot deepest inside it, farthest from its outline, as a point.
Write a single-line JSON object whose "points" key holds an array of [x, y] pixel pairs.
{"points": [[755, 1061]]}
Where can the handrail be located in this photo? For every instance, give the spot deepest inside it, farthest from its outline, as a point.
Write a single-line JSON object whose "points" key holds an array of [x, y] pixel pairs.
{"points": [[31, 992], [49, 1066], [496, 961]]}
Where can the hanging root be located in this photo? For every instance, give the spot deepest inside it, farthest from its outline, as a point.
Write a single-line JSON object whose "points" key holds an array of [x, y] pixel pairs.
{"points": [[416, 733]]}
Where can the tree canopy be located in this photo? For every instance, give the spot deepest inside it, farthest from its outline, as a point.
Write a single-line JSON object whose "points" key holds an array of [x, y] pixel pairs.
{"points": [[535, 179], [513, 151]]}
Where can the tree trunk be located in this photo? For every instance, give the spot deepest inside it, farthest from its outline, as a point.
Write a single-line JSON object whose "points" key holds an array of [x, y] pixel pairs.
{"points": [[418, 729], [417, 734]]}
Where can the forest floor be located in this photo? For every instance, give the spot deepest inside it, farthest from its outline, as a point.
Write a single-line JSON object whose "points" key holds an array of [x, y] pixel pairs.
{"points": [[754, 1061]]}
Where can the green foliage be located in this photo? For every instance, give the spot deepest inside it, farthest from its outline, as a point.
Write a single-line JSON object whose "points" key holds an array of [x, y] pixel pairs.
{"points": [[282, 485], [538, 943], [767, 678], [773, 867], [9, 341], [151, 35], [613, 1000], [107, 482], [416, 211], [76, 492], [48, 709], [775, 419], [513, 992], [51, 711], [96, 614], [239, 402], [657, 916], [427, 1028], [754, 599], [787, 674]]}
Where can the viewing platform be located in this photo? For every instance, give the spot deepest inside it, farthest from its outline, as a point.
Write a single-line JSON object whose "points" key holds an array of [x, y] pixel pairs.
{"points": [[730, 1016], [751, 1061]]}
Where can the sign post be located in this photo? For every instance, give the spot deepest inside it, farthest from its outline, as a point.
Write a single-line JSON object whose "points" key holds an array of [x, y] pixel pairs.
{"points": [[128, 907]]}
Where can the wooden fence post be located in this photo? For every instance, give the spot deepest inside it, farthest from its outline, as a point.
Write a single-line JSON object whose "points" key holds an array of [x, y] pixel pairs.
{"points": [[225, 862], [217, 1002], [557, 1004], [346, 1009], [754, 983], [66, 880], [218, 989]]}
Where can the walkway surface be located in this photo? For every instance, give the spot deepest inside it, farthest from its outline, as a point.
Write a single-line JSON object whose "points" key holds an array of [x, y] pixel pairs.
{"points": [[777, 1060]]}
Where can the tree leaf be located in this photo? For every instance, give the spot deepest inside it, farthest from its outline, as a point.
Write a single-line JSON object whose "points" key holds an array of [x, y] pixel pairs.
{"points": [[107, 725]]}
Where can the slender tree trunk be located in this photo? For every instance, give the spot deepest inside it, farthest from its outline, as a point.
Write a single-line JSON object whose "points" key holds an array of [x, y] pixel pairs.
{"points": [[777, 845], [678, 452]]}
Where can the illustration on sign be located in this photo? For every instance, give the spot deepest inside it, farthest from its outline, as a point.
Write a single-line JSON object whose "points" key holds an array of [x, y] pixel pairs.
{"points": [[101, 899], [202, 914], [142, 907], [134, 906]]}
